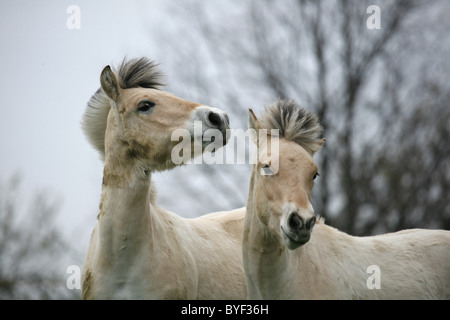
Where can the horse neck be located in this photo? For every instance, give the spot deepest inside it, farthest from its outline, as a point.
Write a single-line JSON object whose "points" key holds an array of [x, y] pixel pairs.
{"points": [[127, 205], [265, 258], [268, 264]]}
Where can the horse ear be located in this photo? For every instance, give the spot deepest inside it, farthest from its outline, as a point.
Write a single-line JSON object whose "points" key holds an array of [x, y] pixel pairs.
{"points": [[317, 145], [110, 84], [253, 122], [253, 125]]}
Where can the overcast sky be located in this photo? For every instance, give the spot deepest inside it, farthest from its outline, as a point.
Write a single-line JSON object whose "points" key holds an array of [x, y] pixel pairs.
{"points": [[48, 73]]}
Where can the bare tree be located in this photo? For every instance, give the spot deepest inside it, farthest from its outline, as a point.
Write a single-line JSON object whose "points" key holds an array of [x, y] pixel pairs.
{"points": [[375, 91], [32, 249]]}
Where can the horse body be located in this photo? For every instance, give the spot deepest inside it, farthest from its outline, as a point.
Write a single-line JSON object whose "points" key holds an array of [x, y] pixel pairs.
{"points": [[413, 264], [182, 259], [285, 258], [138, 250]]}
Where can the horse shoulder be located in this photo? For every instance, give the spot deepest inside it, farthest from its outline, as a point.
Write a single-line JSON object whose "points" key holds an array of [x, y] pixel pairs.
{"points": [[171, 262], [217, 246]]}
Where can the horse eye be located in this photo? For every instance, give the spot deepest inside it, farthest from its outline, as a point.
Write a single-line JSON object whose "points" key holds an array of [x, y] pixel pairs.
{"points": [[316, 175], [145, 106]]}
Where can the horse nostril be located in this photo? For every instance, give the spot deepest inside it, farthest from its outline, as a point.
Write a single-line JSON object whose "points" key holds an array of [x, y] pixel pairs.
{"points": [[310, 223], [295, 221], [215, 120]]}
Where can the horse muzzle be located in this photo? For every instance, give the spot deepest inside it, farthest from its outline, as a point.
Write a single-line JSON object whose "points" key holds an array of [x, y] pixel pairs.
{"points": [[212, 119], [297, 229]]}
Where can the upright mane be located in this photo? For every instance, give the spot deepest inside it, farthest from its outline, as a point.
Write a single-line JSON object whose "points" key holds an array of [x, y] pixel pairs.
{"points": [[133, 73], [294, 123]]}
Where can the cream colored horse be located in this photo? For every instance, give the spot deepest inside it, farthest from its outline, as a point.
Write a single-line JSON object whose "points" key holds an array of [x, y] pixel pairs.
{"points": [[285, 259], [138, 250]]}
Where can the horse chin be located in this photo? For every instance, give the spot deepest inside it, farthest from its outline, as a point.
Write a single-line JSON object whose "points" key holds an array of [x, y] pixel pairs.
{"points": [[293, 241], [214, 139]]}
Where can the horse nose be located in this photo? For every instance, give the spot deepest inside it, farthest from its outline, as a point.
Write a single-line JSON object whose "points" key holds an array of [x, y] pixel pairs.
{"points": [[297, 223], [217, 119], [212, 118]]}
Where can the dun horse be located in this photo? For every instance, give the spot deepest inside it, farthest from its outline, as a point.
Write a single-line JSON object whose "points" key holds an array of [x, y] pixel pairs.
{"points": [[137, 249], [285, 259]]}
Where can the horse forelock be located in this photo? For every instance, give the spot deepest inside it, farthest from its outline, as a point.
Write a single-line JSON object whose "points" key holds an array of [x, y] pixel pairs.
{"points": [[138, 72], [294, 123]]}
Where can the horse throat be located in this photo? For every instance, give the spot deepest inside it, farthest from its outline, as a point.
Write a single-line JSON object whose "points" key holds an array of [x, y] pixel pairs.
{"points": [[124, 219], [264, 256]]}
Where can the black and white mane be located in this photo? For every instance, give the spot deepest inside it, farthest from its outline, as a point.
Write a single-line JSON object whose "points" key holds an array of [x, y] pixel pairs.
{"points": [[294, 123]]}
